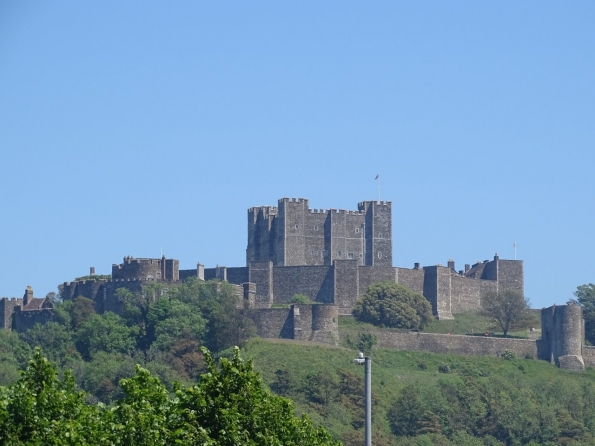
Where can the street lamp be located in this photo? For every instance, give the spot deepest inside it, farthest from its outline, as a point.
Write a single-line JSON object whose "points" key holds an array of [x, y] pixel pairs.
{"points": [[367, 362]]}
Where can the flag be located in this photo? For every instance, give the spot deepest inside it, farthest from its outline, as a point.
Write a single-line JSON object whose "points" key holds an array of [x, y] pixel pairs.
{"points": [[377, 176]]}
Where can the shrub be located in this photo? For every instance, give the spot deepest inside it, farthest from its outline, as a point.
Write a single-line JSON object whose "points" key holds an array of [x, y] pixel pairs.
{"points": [[390, 304]]}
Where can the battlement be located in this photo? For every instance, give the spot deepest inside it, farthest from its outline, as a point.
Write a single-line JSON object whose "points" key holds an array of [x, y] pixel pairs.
{"points": [[362, 204], [146, 269], [293, 200], [267, 210], [12, 299]]}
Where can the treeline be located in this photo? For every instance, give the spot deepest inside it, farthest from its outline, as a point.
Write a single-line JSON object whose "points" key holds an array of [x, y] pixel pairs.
{"points": [[161, 328]]}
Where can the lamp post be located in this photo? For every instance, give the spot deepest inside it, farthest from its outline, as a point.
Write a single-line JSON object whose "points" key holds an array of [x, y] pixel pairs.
{"points": [[367, 362]]}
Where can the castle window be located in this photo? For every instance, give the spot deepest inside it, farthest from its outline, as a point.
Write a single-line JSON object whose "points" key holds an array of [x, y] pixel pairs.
{"points": [[316, 227], [350, 255], [379, 255], [338, 253], [361, 256], [357, 230], [312, 252], [297, 226]]}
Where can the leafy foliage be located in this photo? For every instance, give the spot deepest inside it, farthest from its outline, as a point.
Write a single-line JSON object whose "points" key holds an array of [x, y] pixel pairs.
{"points": [[229, 406], [508, 309], [300, 299], [585, 297], [391, 304]]}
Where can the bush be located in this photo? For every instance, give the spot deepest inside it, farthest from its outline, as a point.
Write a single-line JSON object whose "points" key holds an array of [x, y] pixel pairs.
{"points": [[300, 299], [390, 304], [509, 355]]}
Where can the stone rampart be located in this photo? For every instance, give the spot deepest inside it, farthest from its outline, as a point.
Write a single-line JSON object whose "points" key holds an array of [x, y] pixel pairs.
{"points": [[25, 320], [316, 323], [589, 356], [7, 308], [455, 344], [316, 282], [562, 331]]}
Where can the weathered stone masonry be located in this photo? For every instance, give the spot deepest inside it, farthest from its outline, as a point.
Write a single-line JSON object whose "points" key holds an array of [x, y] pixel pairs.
{"points": [[561, 344], [333, 256]]}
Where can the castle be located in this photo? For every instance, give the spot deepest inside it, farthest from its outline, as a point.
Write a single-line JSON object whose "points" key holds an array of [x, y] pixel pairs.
{"points": [[332, 256], [22, 314]]}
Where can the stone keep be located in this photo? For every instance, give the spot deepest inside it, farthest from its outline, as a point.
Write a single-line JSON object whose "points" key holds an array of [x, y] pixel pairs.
{"points": [[292, 234]]}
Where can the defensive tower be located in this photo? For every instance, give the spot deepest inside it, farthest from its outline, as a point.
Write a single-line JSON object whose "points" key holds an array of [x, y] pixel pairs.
{"points": [[292, 234]]}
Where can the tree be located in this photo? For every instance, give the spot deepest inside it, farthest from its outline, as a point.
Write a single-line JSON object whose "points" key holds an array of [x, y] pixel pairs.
{"points": [[54, 339], [229, 406], [232, 405], [105, 332], [42, 409], [585, 297], [508, 309], [390, 304]]}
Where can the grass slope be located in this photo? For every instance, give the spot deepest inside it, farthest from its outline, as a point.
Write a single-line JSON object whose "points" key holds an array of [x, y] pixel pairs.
{"points": [[391, 372]]}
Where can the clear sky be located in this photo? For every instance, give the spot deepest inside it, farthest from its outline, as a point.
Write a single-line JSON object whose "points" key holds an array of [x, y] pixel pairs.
{"points": [[127, 127]]}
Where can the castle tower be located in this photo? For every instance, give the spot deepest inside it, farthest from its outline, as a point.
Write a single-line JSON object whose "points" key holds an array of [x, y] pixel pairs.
{"points": [[378, 232], [292, 234]]}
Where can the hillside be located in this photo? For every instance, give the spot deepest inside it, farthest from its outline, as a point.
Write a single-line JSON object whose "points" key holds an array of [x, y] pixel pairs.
{"points": [[443, 399]]}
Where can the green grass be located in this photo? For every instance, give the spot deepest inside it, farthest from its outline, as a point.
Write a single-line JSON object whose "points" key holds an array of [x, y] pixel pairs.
{"points": [[393, 370], [463, 323]]}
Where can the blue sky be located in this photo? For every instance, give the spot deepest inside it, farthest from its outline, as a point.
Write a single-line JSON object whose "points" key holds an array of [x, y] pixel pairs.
{"points": [[131, 127]]}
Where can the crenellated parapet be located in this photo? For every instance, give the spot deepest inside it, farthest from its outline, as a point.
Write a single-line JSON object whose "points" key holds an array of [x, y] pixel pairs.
{"points": [[147, 269]]}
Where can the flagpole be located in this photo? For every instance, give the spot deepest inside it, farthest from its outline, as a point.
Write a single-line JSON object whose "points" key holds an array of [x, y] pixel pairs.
{"points": [[514, 244]]}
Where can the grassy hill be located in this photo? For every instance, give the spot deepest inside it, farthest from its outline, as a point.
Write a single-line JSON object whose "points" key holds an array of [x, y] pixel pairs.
{"points": [[463, 323], [502, 401]]}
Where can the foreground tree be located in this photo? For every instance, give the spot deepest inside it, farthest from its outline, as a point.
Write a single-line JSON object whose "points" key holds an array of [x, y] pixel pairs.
{"points": [[509, 309], [229, 406], [232, 405], [390, 304]]}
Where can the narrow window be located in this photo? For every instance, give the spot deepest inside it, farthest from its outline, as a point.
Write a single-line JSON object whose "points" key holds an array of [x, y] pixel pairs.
{"points": [[350, 255], [316, 228], [361, 256], [297, 226], [357, 230], [379, 255], [338, 253]]}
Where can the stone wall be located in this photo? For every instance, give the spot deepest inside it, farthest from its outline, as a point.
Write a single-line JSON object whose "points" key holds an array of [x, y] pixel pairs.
{"points": [[25, 320], [147, 269], [273, 322], [316, 282], [316, 323], [465, 295], [562, 332], [292, 234], [7, 307], [511, 275], [369, 275], [261, 274], [589, 356], [455, 344], [412, 278], [238, 275]]}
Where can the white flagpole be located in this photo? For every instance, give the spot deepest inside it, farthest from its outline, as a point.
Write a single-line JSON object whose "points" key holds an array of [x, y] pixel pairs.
{"points": [[514, 244]]}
